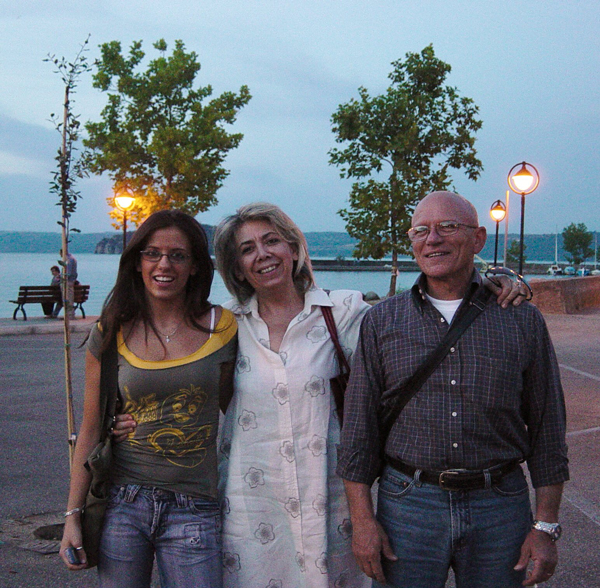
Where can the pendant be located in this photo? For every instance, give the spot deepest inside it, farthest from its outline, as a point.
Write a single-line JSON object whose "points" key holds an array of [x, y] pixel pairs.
{"points": [[167, 338]]}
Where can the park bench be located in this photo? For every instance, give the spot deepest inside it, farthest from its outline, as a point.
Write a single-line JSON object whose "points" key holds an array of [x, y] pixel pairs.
{"points": [[42, 294]]}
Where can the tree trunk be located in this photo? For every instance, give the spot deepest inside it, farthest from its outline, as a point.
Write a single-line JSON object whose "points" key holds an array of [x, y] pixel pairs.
{"points": [[67, 304]]}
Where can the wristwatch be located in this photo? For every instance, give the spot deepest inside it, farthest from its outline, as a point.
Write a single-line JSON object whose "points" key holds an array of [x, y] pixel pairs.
{"points": [[552, 529]]}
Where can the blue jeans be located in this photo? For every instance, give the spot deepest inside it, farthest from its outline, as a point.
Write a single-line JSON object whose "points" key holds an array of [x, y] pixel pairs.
{"points": [[183, 532], [479, 533]]}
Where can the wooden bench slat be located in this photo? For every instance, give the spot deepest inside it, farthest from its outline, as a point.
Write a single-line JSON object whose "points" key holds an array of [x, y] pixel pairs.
{"points": [[41, 294]]}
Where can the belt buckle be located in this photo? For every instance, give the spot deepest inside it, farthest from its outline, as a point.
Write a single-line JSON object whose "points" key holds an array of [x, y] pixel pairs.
{"points": [[447, 485]]}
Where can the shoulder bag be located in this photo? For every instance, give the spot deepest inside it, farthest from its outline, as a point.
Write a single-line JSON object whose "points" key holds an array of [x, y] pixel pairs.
{"points": [[100, 460], [338, 383]]}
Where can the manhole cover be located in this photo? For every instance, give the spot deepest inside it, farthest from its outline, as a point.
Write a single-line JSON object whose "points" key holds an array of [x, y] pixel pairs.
{"points": [[50, 532]]}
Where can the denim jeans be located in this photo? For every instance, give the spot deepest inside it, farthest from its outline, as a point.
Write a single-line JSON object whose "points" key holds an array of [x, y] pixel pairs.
{"points": [[183, 532], [479, 533]]}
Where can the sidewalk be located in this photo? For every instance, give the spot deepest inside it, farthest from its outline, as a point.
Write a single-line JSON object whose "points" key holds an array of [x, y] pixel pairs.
{"points": [[34, 468]]}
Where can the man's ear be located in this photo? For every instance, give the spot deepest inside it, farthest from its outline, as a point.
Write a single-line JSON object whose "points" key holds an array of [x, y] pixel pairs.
{"points": [[480, 238]]}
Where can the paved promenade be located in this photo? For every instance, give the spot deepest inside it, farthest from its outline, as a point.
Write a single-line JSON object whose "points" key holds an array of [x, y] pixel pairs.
{"points": [[34, 468]]}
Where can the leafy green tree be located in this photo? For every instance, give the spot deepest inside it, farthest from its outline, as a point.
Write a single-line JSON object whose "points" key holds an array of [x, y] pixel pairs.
{"points": [[157, 136], [576, 243], [513, 252], [400, 146]]}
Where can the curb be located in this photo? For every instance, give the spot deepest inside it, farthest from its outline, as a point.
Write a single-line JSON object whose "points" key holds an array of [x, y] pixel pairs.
{"points": [[31, 327]]}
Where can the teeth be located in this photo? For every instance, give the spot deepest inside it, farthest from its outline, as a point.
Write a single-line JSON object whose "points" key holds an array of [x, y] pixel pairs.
{"points": [[163, 279], [267, 269], [435, 255]]}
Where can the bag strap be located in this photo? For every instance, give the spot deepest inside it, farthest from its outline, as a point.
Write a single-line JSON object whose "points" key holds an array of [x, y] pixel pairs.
{"points": [[328, 316], [337, 391], [109, 385], [409, 389]]}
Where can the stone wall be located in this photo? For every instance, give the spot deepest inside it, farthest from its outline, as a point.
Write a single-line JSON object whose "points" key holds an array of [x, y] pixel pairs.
{"points": [[566, 295]]}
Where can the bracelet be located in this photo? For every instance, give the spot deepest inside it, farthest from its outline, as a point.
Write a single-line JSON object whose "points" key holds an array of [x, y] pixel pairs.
{"points": [[73, 511]]}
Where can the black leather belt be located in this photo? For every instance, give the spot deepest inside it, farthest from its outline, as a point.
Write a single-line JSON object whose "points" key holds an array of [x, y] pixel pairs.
{"points": [[455, 479]]}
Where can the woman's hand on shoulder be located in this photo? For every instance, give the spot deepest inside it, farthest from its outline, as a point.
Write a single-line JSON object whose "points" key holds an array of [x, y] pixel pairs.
{"points": [[124, 426], [507, 291]]}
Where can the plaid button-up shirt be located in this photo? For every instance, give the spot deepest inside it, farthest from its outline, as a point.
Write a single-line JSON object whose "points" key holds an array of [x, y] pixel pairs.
{"points": [[495, 397]]}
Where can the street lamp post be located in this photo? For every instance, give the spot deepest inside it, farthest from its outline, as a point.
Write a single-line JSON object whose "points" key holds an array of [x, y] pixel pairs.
{"points": [[125, 201], [497, 212], [523, 182]]}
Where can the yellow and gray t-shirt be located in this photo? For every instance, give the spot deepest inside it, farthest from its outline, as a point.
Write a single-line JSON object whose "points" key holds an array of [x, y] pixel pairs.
{"points": [[175, 404]]}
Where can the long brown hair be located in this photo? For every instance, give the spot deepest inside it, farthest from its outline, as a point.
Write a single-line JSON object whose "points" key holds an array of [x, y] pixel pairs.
{"points": [[127, 300]]}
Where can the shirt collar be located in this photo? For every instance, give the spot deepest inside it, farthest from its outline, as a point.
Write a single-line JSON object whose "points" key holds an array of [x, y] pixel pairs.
{"points": [[314, 297], [418, 289]]}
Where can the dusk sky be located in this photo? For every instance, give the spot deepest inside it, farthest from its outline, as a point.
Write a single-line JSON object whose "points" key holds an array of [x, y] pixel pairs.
{"points": [[531, 67]]}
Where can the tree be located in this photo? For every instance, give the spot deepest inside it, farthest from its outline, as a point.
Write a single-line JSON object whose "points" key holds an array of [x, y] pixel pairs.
{"points": [[157, 136], [418, 129], [69, 168], [576, 243], [513, 252]]}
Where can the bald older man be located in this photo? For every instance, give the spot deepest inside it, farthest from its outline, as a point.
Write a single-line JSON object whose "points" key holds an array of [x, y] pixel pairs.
{"points": [[452, 493]]}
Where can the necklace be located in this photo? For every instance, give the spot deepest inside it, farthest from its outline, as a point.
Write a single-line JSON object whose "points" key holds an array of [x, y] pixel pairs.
{"points": [[169, 335]]}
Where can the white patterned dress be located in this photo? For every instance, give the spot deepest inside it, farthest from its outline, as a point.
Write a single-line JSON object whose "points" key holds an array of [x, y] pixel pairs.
{"points": [[285, 516]]}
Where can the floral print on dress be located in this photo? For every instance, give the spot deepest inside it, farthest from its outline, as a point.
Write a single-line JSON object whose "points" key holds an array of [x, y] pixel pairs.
{"points": [[231, 562], [317, 333], [255, 477], [320, 505], [315, 386], [293, 507], [281, 393], [345, 529], [243, 364], [285, 465], [287, 451], [247, 420], [318, 445], [264, 533], [321, 563]]}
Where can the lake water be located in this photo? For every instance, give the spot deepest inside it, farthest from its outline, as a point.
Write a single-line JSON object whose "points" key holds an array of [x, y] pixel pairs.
{"points": [[100, 271]]}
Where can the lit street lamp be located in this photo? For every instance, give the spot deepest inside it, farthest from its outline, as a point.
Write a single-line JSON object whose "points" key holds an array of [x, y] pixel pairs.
{"points": [[523, 182], [497, 212], [125, 201]]}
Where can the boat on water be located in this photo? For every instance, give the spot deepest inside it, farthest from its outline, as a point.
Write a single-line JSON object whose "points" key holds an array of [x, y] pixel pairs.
{"points": [[569, 271], [595, 271], [583, 271], [555, 269]]}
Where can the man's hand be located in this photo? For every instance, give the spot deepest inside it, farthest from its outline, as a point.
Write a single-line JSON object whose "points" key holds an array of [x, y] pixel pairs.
{"points": [[369, 541], [124, 426], [541, 550]]}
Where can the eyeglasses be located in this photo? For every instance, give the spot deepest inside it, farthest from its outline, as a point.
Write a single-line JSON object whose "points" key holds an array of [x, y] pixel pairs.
{"points": [[154, 255], [443, 229]]}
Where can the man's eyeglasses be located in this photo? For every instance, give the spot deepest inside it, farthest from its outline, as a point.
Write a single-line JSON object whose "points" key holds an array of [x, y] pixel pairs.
{"points": [[443, 229], [155, 255]]}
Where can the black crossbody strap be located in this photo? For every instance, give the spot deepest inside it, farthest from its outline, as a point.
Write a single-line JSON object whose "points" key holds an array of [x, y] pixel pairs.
{"points": [[109, 385], [408, 390]]}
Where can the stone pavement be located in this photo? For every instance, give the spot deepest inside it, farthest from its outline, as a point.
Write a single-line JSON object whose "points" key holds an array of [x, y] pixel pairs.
{"points": [[34, 468]]}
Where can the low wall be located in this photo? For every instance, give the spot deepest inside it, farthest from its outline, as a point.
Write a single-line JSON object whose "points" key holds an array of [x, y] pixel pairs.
{"points": [[566, 295]]}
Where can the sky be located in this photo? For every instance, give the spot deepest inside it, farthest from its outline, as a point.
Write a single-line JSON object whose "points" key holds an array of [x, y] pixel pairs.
{"points": [[531, 67]]}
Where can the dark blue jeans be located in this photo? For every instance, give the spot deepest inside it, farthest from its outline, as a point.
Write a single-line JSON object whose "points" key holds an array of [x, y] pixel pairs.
{"points": [[479, 533], [183, 532]]}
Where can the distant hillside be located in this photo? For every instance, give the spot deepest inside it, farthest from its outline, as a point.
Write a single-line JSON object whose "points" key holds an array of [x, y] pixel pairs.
{"points": [[320, 244]]}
